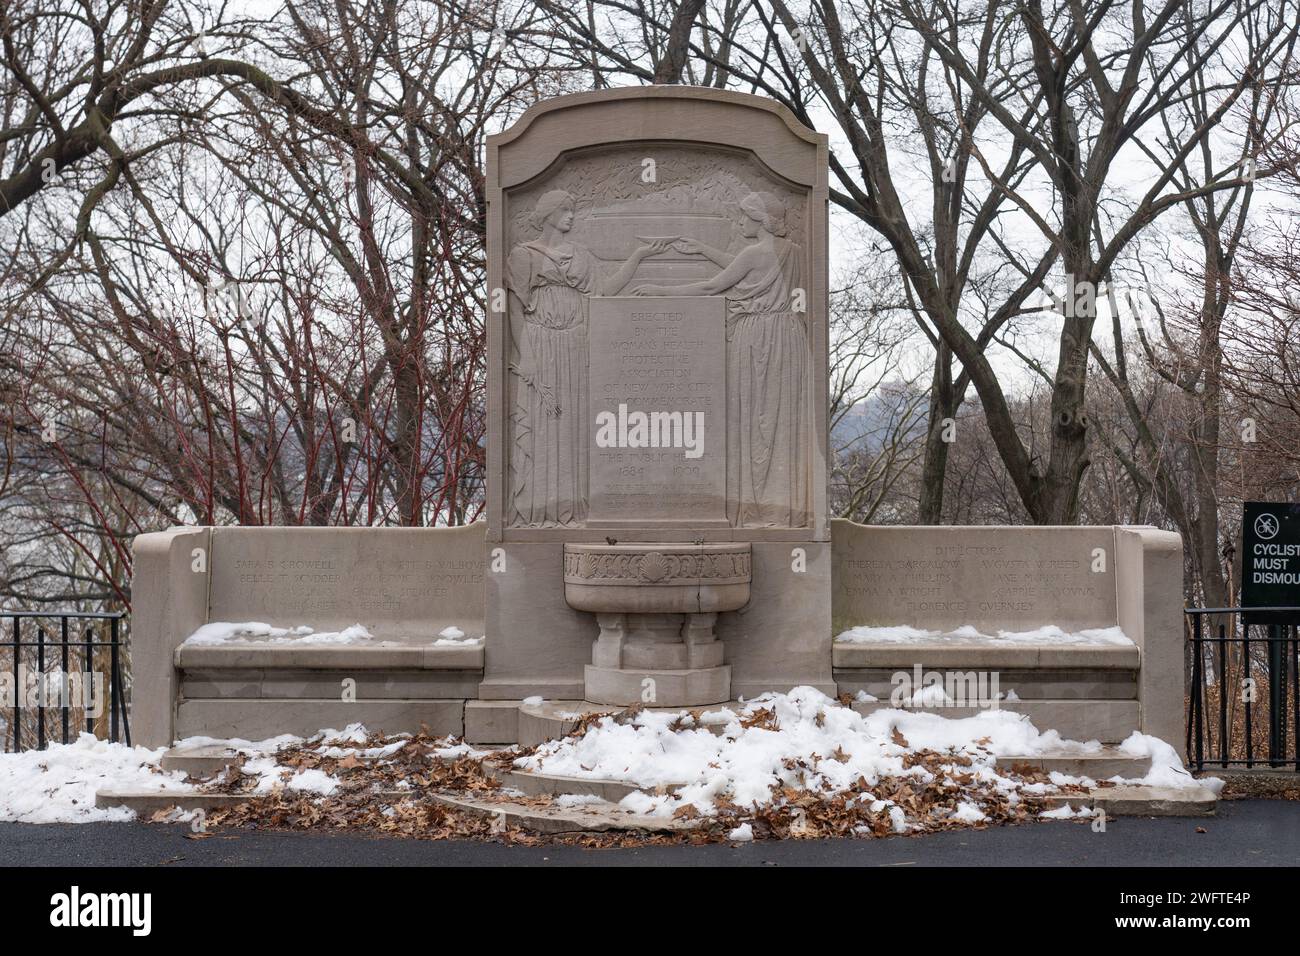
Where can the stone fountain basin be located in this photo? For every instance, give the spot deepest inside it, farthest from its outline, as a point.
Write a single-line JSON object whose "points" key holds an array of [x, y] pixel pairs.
{"points": [[657, 577]]}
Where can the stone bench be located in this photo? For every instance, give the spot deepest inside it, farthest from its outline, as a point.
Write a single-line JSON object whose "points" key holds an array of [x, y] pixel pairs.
{"points": [[253, 690], [404, 585], [189, 657], [1017, 579], [848, 655], [407, 585]]}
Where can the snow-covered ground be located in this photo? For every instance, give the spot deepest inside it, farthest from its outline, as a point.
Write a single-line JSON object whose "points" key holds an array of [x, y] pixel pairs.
{"points": [[58, 784], [1050, 635], [802, 743], [810, 743], [256, 632]]}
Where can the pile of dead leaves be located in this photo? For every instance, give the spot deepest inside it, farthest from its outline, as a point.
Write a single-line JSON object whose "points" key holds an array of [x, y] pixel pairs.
{"points": [[929, 805], [389, 794], [407, 816], [414, 765]]}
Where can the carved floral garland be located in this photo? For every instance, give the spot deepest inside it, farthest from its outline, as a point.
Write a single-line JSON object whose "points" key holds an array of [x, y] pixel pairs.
{"points": [[656, 567]]}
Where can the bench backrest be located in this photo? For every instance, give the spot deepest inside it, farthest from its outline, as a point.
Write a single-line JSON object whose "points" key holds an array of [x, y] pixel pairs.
{"points": [[1008, 578]]}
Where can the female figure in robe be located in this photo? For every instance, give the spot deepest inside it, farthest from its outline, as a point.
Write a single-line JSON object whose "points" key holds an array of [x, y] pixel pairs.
{"points": [[769, 422], [549, 280]]}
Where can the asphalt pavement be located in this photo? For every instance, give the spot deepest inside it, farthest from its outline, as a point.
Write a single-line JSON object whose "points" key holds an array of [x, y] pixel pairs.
{"points": [[1253, 833]]}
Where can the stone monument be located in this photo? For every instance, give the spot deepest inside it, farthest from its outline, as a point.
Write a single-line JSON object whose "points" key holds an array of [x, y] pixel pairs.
{"points": [[657, 400], [657, 528]]}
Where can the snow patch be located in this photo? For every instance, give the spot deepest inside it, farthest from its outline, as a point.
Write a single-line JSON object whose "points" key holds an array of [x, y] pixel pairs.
{"points": [[742, 834], [455, 637], [58, 784], [255, 632], [577, 800], [1048, 635]]}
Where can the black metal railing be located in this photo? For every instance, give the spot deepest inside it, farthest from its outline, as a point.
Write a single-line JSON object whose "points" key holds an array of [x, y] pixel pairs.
{"points": [[52, 670], [1243, 706]]}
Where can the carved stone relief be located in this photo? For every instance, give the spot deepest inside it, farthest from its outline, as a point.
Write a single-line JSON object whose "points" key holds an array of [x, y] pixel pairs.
{"points": [[658, 221], [657, 565]]}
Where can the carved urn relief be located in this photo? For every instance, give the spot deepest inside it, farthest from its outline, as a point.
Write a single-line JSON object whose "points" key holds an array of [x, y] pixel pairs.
{"points": [[657, 604]]}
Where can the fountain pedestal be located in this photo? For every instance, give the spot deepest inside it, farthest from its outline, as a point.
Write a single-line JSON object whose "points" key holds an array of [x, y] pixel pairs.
{"points": [[657, 605]]}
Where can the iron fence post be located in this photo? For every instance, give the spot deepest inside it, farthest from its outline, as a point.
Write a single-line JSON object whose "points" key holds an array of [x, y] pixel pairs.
{"points": [[89, 659], [1198, 692], [18, 689], [40, 688], [63, 663], [1224, 692], [1276, 696], [114, 688], [1248, 698]]}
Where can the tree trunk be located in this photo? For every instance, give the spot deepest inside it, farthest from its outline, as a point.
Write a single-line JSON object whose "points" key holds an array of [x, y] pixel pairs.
{"points": [[669, 68], [934, 468]]}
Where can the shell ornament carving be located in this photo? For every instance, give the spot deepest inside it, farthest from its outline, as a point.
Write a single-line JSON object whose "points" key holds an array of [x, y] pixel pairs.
{"points": [[653, 567]]}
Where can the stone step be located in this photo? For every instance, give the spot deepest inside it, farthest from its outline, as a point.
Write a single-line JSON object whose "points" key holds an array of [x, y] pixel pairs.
{"points": [[552, 719], [1099, 766], [589, 818], [1141, 801], [977, 685], [201, 761], [1105, 720], [535, 784], [1096, 766], [1109, 721], [1102, 765], [691, 687], [491, 723], [1117, 801], [145, 803]]}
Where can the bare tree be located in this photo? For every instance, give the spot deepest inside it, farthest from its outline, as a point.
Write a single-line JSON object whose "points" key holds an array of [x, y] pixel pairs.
{"points": [[1017, 118], [255, 294], [1185, 348], [876, 407]]}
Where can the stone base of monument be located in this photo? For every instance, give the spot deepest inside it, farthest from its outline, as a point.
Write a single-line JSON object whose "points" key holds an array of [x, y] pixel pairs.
{"points": [[551, 719], [657, 606], [685, 688]]}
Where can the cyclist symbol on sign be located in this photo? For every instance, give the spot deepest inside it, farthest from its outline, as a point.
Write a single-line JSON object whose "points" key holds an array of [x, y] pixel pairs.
{"points": [[1266, 526]]}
